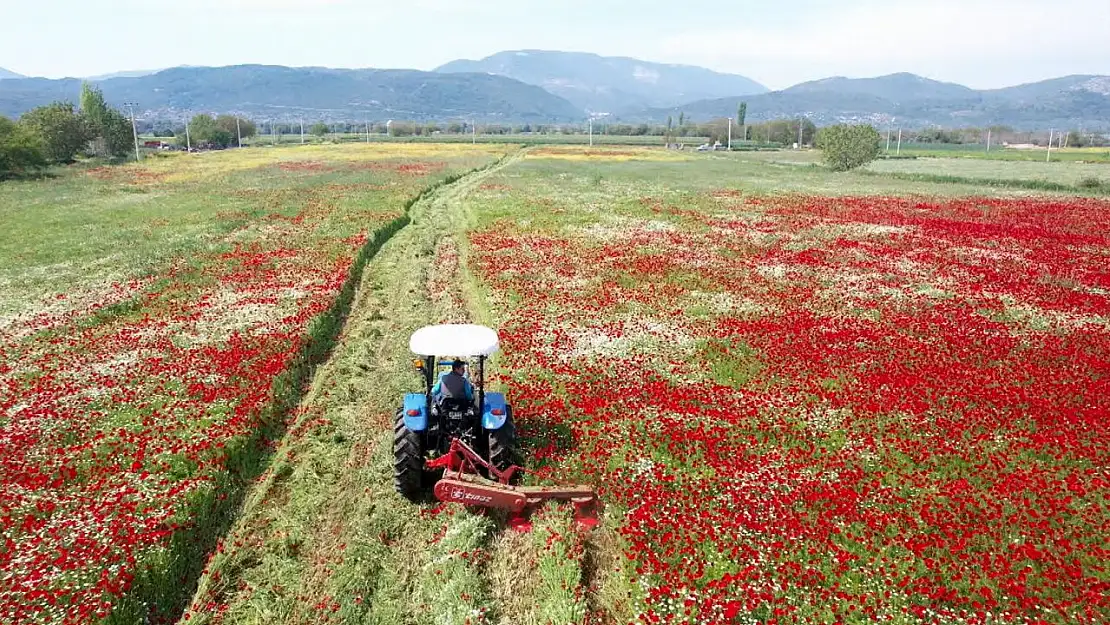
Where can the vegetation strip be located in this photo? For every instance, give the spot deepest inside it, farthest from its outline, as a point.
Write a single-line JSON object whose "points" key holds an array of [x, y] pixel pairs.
{"points": [[1093, 186]]}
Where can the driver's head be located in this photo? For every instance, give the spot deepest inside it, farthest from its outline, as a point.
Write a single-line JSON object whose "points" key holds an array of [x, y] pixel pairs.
{"points": [[459, 366]]}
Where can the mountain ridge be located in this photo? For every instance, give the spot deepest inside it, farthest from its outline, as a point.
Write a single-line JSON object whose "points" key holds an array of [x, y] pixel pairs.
{"points": [[327, 94], [279, 92], [1080, 100], [7, 74], [608, 84]]}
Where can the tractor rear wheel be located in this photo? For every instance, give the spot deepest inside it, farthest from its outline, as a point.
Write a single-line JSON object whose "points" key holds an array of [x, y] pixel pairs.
{"points": [[408, 459], [502, 444]]}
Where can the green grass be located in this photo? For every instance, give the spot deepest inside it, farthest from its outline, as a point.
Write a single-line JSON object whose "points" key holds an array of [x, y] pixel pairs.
{"points": [[1065, 174], [998, 153]]}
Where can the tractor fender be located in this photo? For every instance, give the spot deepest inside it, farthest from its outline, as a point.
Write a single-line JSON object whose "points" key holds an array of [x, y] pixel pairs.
{"points": [[494, 403], [416, 402]]}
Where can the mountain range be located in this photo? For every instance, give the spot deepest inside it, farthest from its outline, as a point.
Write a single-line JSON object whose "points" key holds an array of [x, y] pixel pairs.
{"points": [[312, 93], [540, 86], [1081, 101], [5, 73], [599, 84]]}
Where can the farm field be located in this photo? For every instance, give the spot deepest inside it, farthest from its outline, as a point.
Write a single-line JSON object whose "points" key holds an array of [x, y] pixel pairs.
{"points": [[804, 397], [1081, 178], [158, 320], [1061, 172], [1071, 155]]}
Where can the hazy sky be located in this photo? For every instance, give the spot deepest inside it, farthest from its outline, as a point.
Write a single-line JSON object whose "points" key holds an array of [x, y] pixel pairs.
{"points": [[980, 43]]}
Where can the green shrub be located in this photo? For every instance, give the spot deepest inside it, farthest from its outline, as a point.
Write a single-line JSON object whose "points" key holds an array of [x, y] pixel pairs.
{"points": [[63, 131], [1090, 182], [847, 147], [21, 150]]}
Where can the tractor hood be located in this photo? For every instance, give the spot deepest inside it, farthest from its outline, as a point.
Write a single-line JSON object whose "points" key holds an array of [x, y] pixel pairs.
{"points": [[454, 340]]}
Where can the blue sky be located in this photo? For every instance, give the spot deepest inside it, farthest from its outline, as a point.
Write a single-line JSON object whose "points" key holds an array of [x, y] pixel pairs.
{"points": [[981, 43]]}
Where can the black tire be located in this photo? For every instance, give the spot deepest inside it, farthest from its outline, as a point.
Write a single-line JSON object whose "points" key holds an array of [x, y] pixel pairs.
{"points": [[408, 459], [503, 451]]}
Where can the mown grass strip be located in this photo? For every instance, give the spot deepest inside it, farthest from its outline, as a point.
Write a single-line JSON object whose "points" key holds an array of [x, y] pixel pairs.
{"points": [[451, 588], [560, 597]]}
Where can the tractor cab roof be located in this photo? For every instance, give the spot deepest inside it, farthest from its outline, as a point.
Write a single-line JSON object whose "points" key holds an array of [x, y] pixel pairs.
{"points": [[454, 339]]}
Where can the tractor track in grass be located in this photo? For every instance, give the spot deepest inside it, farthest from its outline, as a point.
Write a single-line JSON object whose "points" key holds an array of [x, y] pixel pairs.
{"points": [[322, 537]]}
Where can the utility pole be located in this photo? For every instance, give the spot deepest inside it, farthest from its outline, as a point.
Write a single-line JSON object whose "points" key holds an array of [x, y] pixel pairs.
{"points": [[368, 131], [730, 134], [799, 133], [134, 130], [988, 140], [302, 131], [273, 137], [238, 132], [473, 131], [899, 142], [1048, 156], [1064, 142], [591, 132], [188, 142], [888, 139]]}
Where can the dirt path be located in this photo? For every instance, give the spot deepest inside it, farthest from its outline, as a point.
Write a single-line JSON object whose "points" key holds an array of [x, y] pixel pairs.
{"points": [[323, 537]]}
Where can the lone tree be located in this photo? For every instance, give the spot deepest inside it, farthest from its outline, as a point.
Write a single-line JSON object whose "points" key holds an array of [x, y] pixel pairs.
{"points": [[741, 118], [847, 147], [111, 132], [319, 129], [236, 126], [203, 130]]}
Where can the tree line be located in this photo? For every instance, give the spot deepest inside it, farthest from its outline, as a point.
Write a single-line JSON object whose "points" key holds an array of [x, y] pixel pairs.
{"points": [[57, 133], [223, 131]]}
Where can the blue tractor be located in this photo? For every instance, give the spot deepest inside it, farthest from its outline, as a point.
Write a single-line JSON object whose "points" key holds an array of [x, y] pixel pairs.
{"points": [[428, 422], [467, 444]]}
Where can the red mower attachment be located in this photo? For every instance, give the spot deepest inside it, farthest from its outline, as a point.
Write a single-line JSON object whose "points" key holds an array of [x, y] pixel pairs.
{"points": [[461, 483]]}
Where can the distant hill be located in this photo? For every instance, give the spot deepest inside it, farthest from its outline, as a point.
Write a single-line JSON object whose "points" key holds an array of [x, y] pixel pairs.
{"points": [[897, 88], [609, 84], [913, 101], [4, 73], [134, 73], [286, 93]]}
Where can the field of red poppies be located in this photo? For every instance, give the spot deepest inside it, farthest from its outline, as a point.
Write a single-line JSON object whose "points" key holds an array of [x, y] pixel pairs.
{"points": [[133, 410], [815, 409]]}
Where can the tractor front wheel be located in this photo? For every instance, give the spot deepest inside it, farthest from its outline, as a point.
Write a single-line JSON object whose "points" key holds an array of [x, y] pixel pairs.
{"points": [[408, 459], [502, 444]]}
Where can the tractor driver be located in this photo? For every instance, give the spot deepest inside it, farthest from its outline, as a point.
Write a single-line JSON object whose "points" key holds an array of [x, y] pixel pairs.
{"points": [[454, 384]]}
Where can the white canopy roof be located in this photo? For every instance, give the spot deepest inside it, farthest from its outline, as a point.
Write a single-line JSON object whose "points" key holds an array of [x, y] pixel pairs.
{"points": [[454, 339]]}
